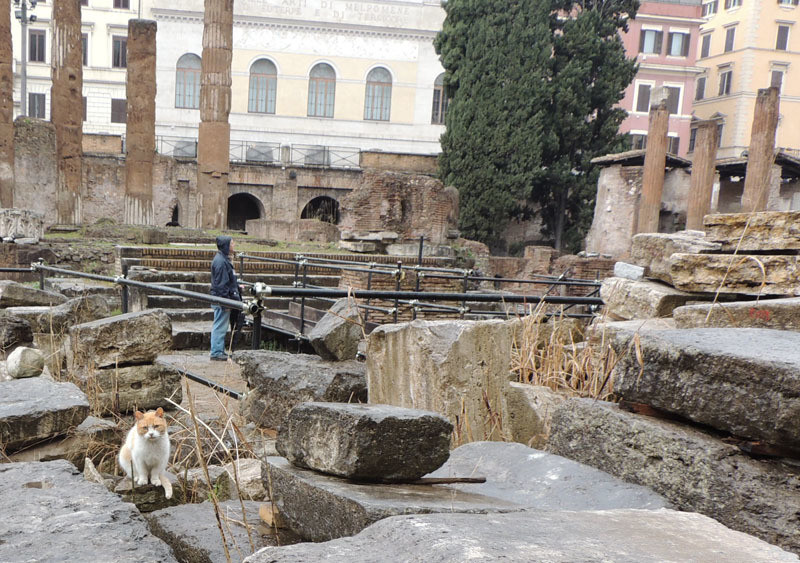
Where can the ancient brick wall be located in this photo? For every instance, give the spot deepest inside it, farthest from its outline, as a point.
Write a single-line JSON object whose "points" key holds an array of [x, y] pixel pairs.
{"points": [[104, 144], [35, 167], [585, 268], [413, 163], [409, 205]]}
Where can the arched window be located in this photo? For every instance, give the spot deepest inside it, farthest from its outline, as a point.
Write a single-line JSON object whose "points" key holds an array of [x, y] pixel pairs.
{"points": [[187, 82], [378, 102], [321, 91], [263, 87], [439, 100]]}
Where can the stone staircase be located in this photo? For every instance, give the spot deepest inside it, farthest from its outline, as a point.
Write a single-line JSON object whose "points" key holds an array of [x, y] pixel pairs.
{"points": [[710, 393]]}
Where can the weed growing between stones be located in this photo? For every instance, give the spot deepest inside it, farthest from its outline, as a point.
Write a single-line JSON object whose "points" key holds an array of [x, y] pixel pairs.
{"points": [[551, 353]]}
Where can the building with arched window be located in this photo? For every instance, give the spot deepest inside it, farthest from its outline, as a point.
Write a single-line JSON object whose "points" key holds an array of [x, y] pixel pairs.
{"points": [[321, 90], [187, 81], [263, 87], [378, 98]]}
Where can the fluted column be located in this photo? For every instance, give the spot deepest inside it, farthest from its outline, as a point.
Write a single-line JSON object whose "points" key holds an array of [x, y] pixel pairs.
{"points": [[655, 160], [702, 182], [6, 108], [761, 154]]}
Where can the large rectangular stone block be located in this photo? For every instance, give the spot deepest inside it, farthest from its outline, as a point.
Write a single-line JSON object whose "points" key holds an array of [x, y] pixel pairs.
{"points": [[279, 381], [141, 387], [745, 381], [653, 251], [321, 507], [13, 294], [745, 274], [365, 442], [780, 314], [630, 299], [35, 409], [693, 470], [132, 338], [766, 230]]}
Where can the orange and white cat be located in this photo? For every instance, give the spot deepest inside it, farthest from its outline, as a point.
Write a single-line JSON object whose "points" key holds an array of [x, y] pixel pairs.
{"points": [[145, 453]]}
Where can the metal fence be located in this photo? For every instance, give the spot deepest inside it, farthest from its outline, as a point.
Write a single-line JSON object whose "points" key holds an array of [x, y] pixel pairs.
{"points": [[256, 152], [178, 147], [324, 156]]}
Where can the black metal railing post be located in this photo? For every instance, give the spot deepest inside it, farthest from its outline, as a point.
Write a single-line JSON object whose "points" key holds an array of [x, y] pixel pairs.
{"points": [[464, 286], [397, 278], [303, 300], [41, 278], [125, 292], [256, 336]]}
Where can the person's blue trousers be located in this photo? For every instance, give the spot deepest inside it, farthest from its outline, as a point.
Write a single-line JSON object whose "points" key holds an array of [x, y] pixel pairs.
{"points": [[218, 330]]}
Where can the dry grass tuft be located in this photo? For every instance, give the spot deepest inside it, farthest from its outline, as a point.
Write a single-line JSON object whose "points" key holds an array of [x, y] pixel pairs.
{"points": [[551, 353]]}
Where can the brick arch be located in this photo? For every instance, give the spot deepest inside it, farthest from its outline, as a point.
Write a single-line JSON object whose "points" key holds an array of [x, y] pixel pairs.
{"points": [[324, 208], [305, 194]]}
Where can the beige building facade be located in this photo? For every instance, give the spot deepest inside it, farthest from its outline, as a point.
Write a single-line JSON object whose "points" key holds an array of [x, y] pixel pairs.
{"points": [[746, 45]]}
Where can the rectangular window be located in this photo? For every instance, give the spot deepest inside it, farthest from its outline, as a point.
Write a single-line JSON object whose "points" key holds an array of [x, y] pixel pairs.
{"points": [[787, 2], [730, 4], [678, 44], [730, 34], [85, 47], [725, 79], [84, 108], [119, 111], [650, 42], [673, 145], [692, 138], [673, 99], [124, 4], [782, 43], [710, 8], [36, 104], [36, 45], [705, 46], [643, 98], [119, 55], [84, 2], [638, 141], [776, 79], [700, 90], [719, 134]]}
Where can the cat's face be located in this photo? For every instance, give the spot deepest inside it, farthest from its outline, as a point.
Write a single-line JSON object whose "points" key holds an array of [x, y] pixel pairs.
{"points": [[151, 425]]}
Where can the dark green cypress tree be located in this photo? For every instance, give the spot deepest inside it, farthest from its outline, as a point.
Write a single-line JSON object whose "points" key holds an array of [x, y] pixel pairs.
{"points": [[533, 97], [496, 56]]}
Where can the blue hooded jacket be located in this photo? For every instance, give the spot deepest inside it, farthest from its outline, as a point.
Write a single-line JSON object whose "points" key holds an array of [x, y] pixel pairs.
{"points": [[223, 279]]}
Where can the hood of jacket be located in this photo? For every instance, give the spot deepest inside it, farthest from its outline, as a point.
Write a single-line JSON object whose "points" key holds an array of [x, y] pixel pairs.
{"points": [[224, 244]]}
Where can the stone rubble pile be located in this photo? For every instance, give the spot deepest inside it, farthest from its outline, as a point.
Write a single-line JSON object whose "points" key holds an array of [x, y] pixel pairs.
{"points": [[113, 358]]}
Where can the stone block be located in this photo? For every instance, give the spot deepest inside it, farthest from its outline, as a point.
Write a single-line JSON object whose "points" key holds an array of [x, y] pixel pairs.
{"points": [[455, 368], [192, 485], [154, 236], [79, 287], [21, 223], [132, 338], [58, 319], [142, 387], [279, 381], [628, 299], [691, 469], [13, 294], [628, 271], [321, 507], [766, 230], [780, 314], [147, 498], [604, 332], [365, 442], [542, 481], [36, 409], [745, 381], [359, 246], [25, 362], [530, 408], [191, 530], [622, 536], [14, 331], [744, 274], [243, 477], [91, 439], [653, 251], [337, 334], [56, 515]]}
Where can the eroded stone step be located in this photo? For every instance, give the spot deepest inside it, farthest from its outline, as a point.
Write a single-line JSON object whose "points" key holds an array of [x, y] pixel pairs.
{"points": [[765, 230], [196, 335], [752, 275], [745, 381]]}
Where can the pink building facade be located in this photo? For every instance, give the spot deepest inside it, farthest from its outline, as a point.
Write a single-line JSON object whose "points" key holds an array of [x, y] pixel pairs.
{"points": [[663, 37]]}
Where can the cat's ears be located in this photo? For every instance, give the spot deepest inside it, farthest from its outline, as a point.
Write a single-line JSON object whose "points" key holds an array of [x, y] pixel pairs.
{"points": [[159, 412], [138, 415]]}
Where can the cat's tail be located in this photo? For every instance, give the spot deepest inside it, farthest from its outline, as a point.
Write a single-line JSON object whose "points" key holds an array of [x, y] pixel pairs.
{"points": [[166, 483]]}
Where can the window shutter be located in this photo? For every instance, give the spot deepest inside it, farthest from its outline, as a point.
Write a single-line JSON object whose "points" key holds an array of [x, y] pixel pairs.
{"points": [[657, 48], [685, 45], [700, 91]]}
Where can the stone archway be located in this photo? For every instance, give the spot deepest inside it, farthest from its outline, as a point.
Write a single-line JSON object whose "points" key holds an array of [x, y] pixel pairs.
{"points": [[242, 207], [324, 208]]}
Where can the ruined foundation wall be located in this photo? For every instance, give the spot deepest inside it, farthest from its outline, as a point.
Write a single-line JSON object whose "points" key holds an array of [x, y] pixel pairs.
{"points": [[66, 97], [6, 108], [36, 170], [141, 122]]}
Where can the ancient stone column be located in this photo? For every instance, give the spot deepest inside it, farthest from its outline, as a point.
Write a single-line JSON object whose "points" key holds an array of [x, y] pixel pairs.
{"points": [[213, 149], [655, 161], [761, 153], [66, 103], [702, 182], [6, 108], [140, 128]]}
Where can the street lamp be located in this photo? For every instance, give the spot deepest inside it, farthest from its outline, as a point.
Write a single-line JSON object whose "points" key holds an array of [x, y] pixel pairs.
{"points": [[24, 18]]}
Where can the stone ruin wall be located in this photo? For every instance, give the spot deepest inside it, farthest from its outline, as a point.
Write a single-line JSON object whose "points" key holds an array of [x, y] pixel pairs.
{"points": [[408, 205]]}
